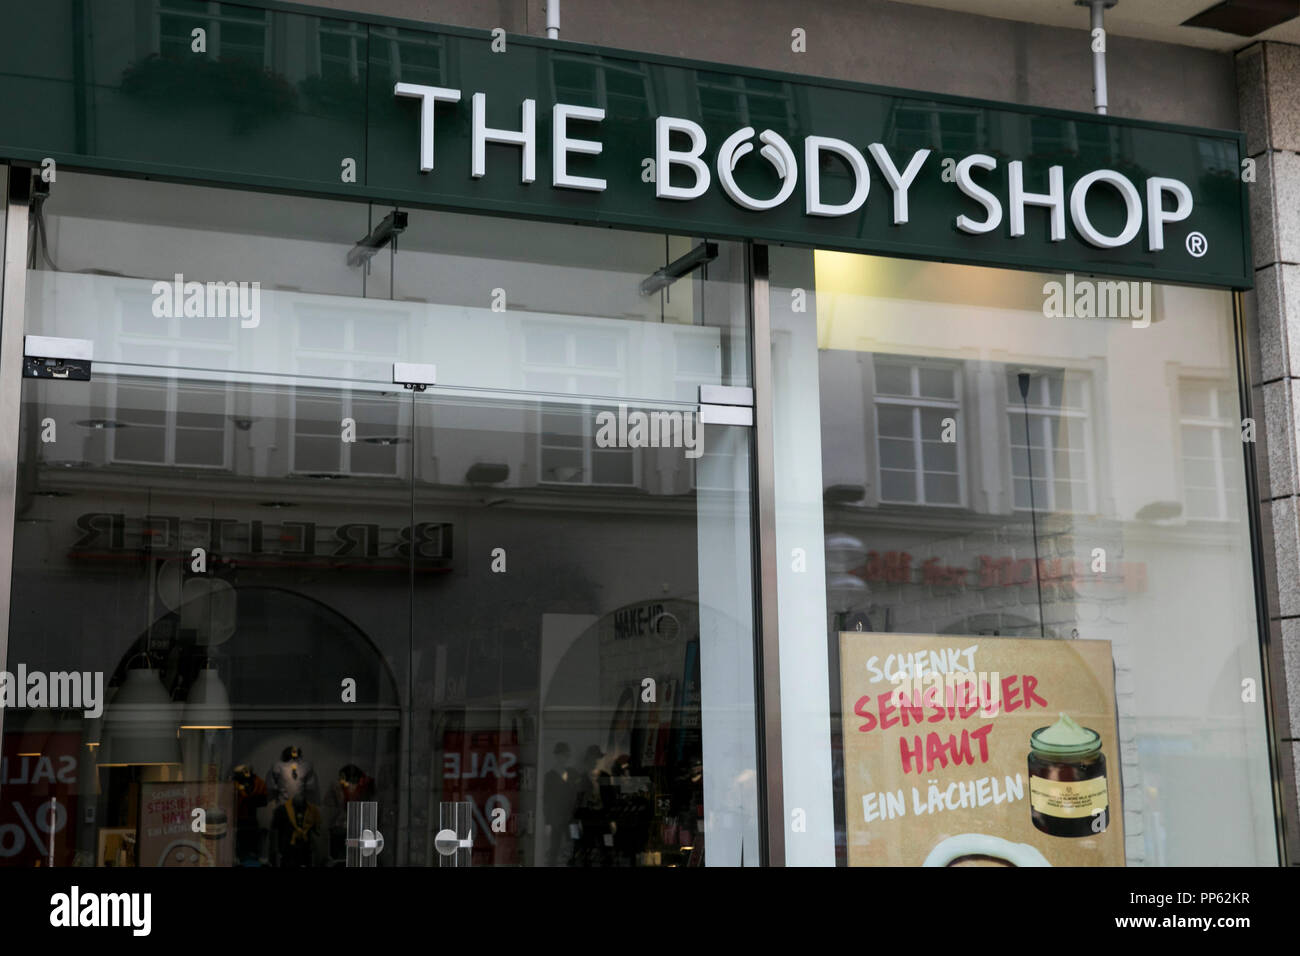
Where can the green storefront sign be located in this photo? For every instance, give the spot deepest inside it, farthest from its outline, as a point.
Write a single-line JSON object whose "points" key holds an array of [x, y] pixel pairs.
{"points": [[399, 112]]}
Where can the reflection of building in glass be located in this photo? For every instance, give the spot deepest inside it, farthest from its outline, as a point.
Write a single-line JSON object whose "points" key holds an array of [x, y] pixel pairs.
{"points": [[1132, 437], [406, 598]]}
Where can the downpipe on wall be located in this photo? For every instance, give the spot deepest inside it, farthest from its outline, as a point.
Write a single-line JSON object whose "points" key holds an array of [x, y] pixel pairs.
{"points": [[1097, 33]]}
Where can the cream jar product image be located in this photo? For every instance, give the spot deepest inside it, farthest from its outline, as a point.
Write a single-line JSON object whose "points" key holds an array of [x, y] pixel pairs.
{"points": [[1067, 780]]}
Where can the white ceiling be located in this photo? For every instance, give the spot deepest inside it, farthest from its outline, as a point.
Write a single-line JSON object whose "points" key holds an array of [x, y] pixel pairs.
{"points": [[1146, 19]]}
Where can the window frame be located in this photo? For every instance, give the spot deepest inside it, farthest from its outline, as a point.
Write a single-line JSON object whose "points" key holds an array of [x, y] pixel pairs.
{"points": [[588, 448], [916, 402], [1217, 425], [171, 410], [1045, 413], [216, 14]]}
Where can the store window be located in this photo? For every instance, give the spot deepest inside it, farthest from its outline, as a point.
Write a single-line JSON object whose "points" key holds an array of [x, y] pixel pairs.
{"points": [[515, 602], [1102, 467]]}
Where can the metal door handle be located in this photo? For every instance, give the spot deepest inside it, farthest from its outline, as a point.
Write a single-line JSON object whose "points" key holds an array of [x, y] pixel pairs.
{"points": [[455, 838], [364, 842], [448, 842], [369, 843]]}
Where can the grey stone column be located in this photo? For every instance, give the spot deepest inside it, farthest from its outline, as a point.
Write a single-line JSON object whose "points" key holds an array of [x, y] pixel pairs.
{"points": [[1268, 90]]}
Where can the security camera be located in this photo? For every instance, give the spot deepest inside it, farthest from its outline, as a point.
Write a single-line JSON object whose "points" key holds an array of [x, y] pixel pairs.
{"points": [[47, 357]]}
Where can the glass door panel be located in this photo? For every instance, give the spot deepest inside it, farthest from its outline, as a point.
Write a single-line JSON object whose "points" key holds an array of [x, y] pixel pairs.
{"points": [[222, 571], [478, 608], [583, 674]]}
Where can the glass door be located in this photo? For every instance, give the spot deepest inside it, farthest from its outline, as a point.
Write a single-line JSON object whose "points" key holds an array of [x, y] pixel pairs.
{"points": [[300, 616], [212, 588], [574, 674], [264, 602]]}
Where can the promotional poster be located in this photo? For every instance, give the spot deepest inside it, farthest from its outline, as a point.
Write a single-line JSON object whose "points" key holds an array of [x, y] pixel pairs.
{"points": [[980, 751], [173, 832]]}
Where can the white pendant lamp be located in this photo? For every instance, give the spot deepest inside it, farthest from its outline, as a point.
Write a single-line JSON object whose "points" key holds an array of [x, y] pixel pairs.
{"points": [[140, 724], [208, 705]]}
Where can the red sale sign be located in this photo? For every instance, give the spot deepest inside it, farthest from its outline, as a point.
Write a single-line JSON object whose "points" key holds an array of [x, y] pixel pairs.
{"points": [[482, 768], [38, 799]]}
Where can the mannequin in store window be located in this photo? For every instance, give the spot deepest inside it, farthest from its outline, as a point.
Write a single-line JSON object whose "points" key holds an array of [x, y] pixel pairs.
{"points": [[297, 834], [632, 813], [559, 790], [688, 807], [292, 774], [352, 785], [250, 796], [591, 812]]}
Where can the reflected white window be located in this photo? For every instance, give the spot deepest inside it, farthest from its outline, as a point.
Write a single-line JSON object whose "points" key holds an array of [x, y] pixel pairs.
{"points": [[567, 452], [411, 57], [1212, 468], [1055, 444], [576, 359], [334, 342], [622, 89], [377, 440], [233, 33], [744, 100], [341, 48], [1053, 136], [914, 402], [573, 360], [166, 425], [951, 129], [698, 361]]}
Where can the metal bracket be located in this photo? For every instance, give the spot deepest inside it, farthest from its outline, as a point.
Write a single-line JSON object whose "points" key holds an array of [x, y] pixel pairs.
{"points": [[388, 229], [48, 357], [414, 376], [726, 405], [702, 254]]}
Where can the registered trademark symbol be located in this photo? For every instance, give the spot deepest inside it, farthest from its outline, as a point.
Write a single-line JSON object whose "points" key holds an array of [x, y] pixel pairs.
{"points": [[1196, 244]]}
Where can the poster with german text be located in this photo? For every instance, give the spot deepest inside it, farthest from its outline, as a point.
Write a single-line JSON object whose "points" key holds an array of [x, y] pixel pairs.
{"points": [[173, 831], [980, 751]]}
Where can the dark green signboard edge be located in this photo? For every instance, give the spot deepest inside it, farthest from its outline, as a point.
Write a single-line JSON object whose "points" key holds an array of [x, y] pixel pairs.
{"points": [[364, 192]]}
